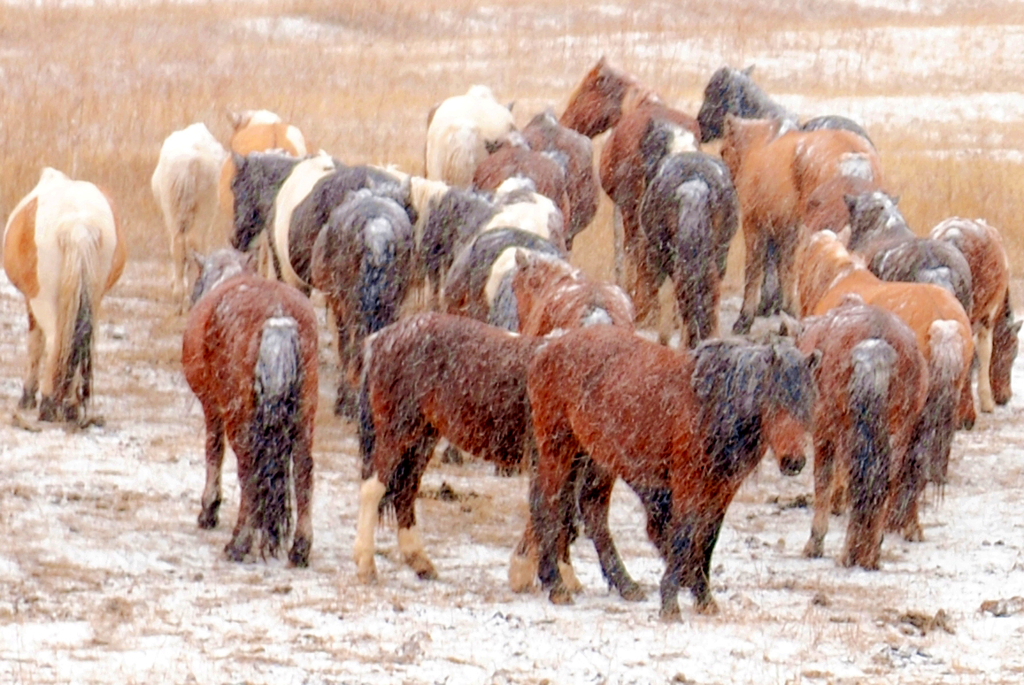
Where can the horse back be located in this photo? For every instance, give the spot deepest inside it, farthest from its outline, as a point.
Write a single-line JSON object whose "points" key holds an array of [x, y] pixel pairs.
{"points": [[982, 247]]}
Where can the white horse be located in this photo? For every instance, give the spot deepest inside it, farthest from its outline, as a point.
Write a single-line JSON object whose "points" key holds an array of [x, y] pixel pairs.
{"points": [[63, 251], [184, 184], [460, 132]]}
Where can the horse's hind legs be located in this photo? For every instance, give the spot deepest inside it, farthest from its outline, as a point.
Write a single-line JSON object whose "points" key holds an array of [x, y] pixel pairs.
{"points": [[371, 492], [35, 355], [211, 501], [595, 501]]}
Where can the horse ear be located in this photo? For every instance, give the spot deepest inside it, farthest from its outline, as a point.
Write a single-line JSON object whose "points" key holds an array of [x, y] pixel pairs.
{"points": [[814, 361], [749, 70], [895, 199], [851, 202], [522, 260], [1015, 326], [235, 118]]}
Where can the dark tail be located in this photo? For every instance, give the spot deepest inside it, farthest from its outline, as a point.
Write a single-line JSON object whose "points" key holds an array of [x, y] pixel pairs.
{"points": [[367, 431], [696, 272], [276, 429], [871, 455], [381, 294]]}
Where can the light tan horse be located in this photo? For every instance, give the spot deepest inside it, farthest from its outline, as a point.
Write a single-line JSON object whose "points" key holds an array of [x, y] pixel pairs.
{"points": [[461, 131], [63, 250]]}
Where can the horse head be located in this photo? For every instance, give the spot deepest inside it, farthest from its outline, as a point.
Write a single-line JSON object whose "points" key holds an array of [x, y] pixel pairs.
{"points": [[790, 394], [216, 268], [874, 215], [596, 104], [1004, 351], [721, 97]]}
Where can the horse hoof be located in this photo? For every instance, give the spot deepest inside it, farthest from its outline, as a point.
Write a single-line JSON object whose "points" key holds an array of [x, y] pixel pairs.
{"points": [[569, 579], [708, 607], [422, 566], [207, 519], [236, 550], [367, 575], [632, 592], [299, 554], [27, 401], [47, 410], [813, 549], [522, 573], [670, 613], [560, 596], [451, 455]]}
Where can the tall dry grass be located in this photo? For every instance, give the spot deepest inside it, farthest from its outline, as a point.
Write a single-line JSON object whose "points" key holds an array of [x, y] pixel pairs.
{"points": [[94, 91]]}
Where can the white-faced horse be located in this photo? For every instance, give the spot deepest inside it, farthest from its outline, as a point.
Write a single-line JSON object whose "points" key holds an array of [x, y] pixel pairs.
{"points": [[459, 132], [63, 251], [184, 185]]}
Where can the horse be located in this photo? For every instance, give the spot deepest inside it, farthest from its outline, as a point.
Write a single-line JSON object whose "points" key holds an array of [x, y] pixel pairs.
{"points": [[575, 152], [256, 131], [361, 262], [295, 189], [311, 214], [257, 178], [477, 284], [63, 250], [426, 376], [644, 130], [775, 171], [461, 131], [514, 159], [453, 219], [732, 91], [249, 353], [982, 247], [184, 186], [893, 252], [689, 214], [829, 274], [872, 385], [552, 295], [682, 428]]}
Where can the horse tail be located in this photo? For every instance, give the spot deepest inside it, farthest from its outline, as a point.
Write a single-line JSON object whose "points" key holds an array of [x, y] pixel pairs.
{"points": [[463, 148], [696, 271], [277, 428], [75, 321], [378, 296], [928, 457], [184, 196], [874, 363], [368, 432]]}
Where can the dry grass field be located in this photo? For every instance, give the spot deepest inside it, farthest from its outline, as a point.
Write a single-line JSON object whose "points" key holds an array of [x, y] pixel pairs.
{"points": [[104, 577]]}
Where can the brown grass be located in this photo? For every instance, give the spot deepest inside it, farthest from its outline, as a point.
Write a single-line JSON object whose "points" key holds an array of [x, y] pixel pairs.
{"points": [[95, 91]]}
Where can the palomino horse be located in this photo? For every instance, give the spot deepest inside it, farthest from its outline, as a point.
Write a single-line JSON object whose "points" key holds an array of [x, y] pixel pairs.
{"points": [[682, 428], [575, 152], [552, 295], [250, 355], [606, 98], [872, 385], [426, 376], [982, 247], [830, 273], [775, 172], [514, 159], [689, 214], [893, 252], [732, 91], [184, 185], [461, 131], [63, 250], [361, 262], [256, 131]]}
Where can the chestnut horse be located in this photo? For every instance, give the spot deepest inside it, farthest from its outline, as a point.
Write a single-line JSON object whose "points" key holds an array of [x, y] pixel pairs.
{"points": [[63, 250], [682, 428], [575, 152], [361, 261], [872, 384], [514, 159], [982, 247], [184, 186], [775, 172], [645, 129], [829, 274], [732, 91], [249, 354], [427, 376], [689, 214]]}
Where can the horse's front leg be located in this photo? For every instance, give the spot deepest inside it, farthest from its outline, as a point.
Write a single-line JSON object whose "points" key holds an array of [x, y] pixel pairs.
{"points": [[752, 274], [595, 502], [824, 464], [789, 252], [984, 347], [302, 470], [410, 543], [211, 500], [35, 356], [679, 539], [546, 521]]}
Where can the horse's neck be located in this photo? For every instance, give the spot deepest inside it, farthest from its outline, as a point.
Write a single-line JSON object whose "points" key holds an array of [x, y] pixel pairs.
{"points": [[637, 96]]}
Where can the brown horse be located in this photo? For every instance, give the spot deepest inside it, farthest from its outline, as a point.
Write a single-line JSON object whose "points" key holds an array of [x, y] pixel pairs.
{"points": [[775, 172], [982, 247], [575, 152], [250, 355], [427, 376], [514, 158], [829, 274], [645, 130], [872, 384], [683, 429]]}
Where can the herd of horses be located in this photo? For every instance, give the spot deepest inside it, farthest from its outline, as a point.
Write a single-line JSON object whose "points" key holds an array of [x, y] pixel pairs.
{"points": [[460, 318]]}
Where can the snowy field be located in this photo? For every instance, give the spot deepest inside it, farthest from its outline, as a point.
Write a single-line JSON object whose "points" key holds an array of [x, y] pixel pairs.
{"points": [[105, 577]]}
